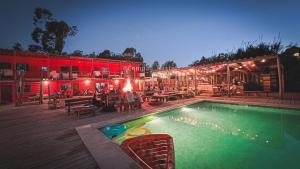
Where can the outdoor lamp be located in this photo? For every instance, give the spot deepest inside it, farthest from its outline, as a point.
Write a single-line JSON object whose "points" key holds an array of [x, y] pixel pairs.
{"points": [[46, 82], [87, 81]]}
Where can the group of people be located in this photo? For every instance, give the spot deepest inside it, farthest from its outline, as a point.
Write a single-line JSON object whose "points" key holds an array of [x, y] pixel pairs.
{"points": [[128, 101], [119, 101]]}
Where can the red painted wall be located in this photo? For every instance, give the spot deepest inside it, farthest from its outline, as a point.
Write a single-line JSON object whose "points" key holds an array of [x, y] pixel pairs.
{"points": [[54, 62]]}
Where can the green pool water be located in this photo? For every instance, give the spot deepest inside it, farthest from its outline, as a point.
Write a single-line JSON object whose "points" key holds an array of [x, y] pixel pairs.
{"points": [[210, 135]]}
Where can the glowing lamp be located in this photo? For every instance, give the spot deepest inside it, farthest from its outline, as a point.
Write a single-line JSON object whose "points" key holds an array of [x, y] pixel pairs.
{"points": [[127, 86], [116, 81], [263, 61], [87, 81], [46, 82], [136, 81]]}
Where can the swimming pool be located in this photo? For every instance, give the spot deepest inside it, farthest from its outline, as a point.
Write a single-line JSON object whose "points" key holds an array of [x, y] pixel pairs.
{"points": [[217, 135]]}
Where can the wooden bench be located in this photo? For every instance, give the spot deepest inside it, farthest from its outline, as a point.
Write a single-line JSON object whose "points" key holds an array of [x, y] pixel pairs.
{"points": [[256, 93], [80, 106]]}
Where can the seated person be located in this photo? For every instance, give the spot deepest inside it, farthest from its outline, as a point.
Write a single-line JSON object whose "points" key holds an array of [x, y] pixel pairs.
{"points": [[95, 102]]}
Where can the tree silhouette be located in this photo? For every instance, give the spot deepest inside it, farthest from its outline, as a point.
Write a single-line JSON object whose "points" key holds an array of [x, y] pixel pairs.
{"points": [[17, 46], [49, 34], [76, 53], [105, 54], [291, 62], [168, 65], [155, 65], [129, 52], [249, 51]]}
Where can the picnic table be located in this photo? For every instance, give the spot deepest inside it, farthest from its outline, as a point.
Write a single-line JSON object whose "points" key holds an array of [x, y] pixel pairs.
{"points": [[80, 106], [161, 97]]}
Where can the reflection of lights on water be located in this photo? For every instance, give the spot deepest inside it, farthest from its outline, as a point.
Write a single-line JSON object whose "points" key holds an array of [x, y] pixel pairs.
{"points": [[185, 109], [156, 121], [215, 126]]}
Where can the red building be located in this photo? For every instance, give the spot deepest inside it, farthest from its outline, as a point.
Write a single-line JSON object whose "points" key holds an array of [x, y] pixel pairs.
{"points": [[33, 72]]}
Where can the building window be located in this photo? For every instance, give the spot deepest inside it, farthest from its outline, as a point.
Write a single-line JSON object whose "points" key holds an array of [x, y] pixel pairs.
{"points": [[21, 66], [65, 69], [4, 65], [27, 88], [75, 69], [44, 68], [65, 86], [105, 70]]}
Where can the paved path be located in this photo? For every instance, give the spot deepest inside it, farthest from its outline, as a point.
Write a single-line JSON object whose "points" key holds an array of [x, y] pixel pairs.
{"points": [[34, 137]]}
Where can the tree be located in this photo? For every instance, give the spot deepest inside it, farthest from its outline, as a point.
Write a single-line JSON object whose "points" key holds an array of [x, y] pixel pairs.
{"points": [[92, 55], [17, 46], [105, 54], [129, 52], [291, 63], [49, 34], [34, 48], [250, 50], [155, 65], [139, 57], [168, 65], [147, 69], [77, 53]]}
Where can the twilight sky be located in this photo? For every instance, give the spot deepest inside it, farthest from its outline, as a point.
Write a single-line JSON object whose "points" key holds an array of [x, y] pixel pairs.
{"points": [[182, 31]]}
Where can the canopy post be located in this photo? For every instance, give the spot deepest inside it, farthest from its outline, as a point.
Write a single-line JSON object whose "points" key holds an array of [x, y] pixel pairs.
{"points": [[280, 79], [41, 89], [228, 80], [195, 81]]}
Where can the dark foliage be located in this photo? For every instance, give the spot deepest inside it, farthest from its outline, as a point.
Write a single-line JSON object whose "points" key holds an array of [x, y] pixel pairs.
{"points": [[250, 51], [155, 65], [291, 62], [49, 34], [76, 53], [17, 46], [130, 54], [168, 65]]}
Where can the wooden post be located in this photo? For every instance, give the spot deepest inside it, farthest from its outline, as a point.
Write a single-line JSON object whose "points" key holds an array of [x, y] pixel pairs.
{"points": [[279, 77], [41, 89], [228, 80], [71, 76], [48, 89], [195, 81]]}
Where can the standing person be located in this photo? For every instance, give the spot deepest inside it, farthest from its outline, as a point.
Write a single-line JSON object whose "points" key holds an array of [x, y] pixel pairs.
{"points": [[119, 103], [130, 99], [138, 99]]}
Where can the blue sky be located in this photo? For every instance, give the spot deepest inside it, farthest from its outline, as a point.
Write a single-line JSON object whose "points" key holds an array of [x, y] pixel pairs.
{"points": [[182, 31]]}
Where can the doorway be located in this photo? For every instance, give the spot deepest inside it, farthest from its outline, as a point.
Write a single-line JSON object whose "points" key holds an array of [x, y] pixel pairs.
{"points": [[76, 91], [6, 94]]}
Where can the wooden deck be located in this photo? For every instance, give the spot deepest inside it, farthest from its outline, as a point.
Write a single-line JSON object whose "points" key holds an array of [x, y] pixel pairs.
{"points": [[34, 137]]}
